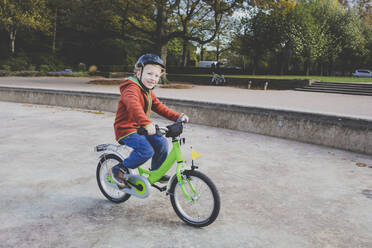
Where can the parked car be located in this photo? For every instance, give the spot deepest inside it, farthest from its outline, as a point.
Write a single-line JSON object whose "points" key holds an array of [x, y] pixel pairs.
{"points": [[362, 73], [206, 64]]}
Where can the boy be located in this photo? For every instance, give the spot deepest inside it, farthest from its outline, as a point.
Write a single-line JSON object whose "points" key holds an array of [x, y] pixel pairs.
{"points": [[135, 104]]}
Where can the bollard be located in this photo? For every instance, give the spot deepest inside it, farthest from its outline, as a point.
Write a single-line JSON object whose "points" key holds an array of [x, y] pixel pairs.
{"points": [[266, 84]]}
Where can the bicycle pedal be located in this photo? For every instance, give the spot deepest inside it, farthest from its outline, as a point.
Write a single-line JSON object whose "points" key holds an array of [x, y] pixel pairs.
{"points": [[161, 189]]}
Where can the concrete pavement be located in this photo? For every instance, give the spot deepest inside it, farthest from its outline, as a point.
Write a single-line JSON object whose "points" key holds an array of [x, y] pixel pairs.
{"points": [[274, 192]]}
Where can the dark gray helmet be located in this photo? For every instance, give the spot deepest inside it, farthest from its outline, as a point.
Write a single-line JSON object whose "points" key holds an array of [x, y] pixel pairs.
{"points": [[149, 58]]}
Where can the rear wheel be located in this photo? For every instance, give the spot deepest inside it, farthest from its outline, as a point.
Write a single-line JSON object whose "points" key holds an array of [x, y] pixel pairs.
{"points": [[205, 205], [109, 188]]}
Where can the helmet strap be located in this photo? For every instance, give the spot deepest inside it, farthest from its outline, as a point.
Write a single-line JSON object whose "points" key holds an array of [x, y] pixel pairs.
{"points": [[140, 79]]}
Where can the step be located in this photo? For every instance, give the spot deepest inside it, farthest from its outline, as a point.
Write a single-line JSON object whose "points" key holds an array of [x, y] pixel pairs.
{"points": [[335, 91], [338, 89], [350, 86], [368, 85]]}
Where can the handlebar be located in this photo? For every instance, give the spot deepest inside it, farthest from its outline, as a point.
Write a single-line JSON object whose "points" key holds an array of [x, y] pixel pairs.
{"points": [[172, 130], [160, 131]]}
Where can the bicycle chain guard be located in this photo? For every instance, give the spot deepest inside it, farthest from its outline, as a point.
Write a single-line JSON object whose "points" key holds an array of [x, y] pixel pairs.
{"points": [[142, 191]]}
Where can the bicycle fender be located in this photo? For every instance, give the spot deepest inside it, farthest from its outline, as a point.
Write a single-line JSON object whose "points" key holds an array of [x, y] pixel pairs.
{"points": [[108, 152], [174, 177], [131, 171]]}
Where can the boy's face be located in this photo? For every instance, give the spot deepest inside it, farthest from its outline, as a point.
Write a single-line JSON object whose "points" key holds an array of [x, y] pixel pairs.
{"points": [[150, 76]]}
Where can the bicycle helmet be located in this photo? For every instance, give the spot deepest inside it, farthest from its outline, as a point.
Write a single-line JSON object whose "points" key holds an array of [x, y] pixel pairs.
{"points": [[149, 59]]}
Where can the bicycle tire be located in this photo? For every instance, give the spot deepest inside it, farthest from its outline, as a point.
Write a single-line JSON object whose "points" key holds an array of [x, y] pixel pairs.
{"points": [[104, 185], [181, 205]]}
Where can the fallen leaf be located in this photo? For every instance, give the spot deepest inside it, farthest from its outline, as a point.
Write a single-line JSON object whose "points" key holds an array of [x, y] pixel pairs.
{"points": [[361, 164], [176, 86]]}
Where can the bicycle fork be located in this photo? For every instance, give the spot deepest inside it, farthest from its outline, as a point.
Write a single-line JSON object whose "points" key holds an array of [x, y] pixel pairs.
{"points": [[181, 176]]}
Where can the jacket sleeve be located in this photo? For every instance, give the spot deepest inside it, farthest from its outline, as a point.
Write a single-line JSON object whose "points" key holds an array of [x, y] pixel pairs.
{"points": [[132, 97], [161, 109]]}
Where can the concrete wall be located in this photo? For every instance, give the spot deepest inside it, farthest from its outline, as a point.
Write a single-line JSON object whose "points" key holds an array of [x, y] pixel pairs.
{"points": [[334, 131]]}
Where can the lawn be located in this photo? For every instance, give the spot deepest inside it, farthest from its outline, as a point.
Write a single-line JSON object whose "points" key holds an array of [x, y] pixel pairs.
{"points": [[291, 77], [316, 78]]}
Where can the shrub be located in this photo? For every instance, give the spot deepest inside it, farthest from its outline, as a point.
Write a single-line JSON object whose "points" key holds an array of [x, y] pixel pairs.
{"points": [[82, 67], [17, 63], [44, 68], [6, 67], [26, 73], [4, 73], [92, 69]]}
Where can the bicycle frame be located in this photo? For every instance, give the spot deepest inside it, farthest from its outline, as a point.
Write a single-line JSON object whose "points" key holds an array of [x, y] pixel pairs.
{"points": [[174, 155]]}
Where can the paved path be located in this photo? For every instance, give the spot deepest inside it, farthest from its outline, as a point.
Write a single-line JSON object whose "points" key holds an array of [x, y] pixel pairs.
{"points": [[274, 192], [335, 104]]}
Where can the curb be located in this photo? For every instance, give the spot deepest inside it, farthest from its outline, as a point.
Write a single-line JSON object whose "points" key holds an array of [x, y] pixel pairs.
{"points": [[341, 132]]}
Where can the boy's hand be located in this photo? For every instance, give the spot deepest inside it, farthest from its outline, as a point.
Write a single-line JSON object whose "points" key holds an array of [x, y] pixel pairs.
{"points": [[151, 130], [183, 118]]}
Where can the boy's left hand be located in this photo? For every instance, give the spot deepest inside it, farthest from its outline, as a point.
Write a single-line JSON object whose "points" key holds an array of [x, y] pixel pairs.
{"points": [[183, 118], [151, 130]]}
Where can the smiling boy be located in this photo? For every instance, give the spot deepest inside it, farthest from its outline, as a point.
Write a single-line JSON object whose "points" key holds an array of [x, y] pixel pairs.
{"points": [[134, 108]]}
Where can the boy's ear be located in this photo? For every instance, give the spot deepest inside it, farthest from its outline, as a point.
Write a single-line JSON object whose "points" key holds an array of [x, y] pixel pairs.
{"points": [[138, 72]]}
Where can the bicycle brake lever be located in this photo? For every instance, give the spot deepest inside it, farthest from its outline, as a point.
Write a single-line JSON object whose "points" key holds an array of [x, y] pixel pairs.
{"points": [[158, 132]]}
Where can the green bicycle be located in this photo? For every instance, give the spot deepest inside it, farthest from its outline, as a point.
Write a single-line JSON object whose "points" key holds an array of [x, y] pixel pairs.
{"points": [[193, 196]]}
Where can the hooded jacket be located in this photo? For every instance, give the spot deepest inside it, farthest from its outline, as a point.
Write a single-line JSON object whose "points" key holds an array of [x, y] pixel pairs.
{"points": [[134, 108]]}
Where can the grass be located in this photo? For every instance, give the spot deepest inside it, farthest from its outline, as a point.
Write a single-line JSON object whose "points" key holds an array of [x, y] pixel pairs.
{"points": [[172, 85], [176, 86], [292, 77], [316, 78], [105, 82]]}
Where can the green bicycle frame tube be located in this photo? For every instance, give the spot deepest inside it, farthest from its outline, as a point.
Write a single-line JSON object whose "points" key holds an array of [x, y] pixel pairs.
{"points": [[174, 155]]}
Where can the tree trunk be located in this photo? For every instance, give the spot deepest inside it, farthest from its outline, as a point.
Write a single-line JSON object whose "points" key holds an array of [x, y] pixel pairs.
{"points": [[164, 52], [55, 31], [307, 67], [184, 53], [12, 37], [201, 53], [254, 65], [218, 52]]}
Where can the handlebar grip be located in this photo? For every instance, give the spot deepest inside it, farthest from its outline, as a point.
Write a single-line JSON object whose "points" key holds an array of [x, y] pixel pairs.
{"points": [[141, 131]]}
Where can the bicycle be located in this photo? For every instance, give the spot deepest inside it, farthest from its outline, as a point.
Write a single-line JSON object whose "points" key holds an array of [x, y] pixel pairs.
{"points": [[193, 195], [217, 79]]}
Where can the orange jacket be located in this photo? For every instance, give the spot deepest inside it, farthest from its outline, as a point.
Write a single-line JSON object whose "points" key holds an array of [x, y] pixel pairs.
{"points": [[134, 108]]}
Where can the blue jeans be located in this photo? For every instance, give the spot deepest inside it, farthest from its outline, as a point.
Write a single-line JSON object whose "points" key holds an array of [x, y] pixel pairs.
{"points": [[145, 147]]}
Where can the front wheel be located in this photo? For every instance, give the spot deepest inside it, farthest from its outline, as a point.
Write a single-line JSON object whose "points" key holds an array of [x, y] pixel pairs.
{"points": [[204, 207]]}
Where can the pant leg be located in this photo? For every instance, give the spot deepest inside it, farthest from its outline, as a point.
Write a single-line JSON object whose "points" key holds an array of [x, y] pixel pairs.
{"points": [[160, 146], [142, 150]]}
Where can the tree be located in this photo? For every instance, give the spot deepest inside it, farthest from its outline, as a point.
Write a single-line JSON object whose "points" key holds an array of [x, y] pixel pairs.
{"points": [[22, 15], [57, 7], [265, 31], [164, 20], [365, 10], [323, 31]]}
